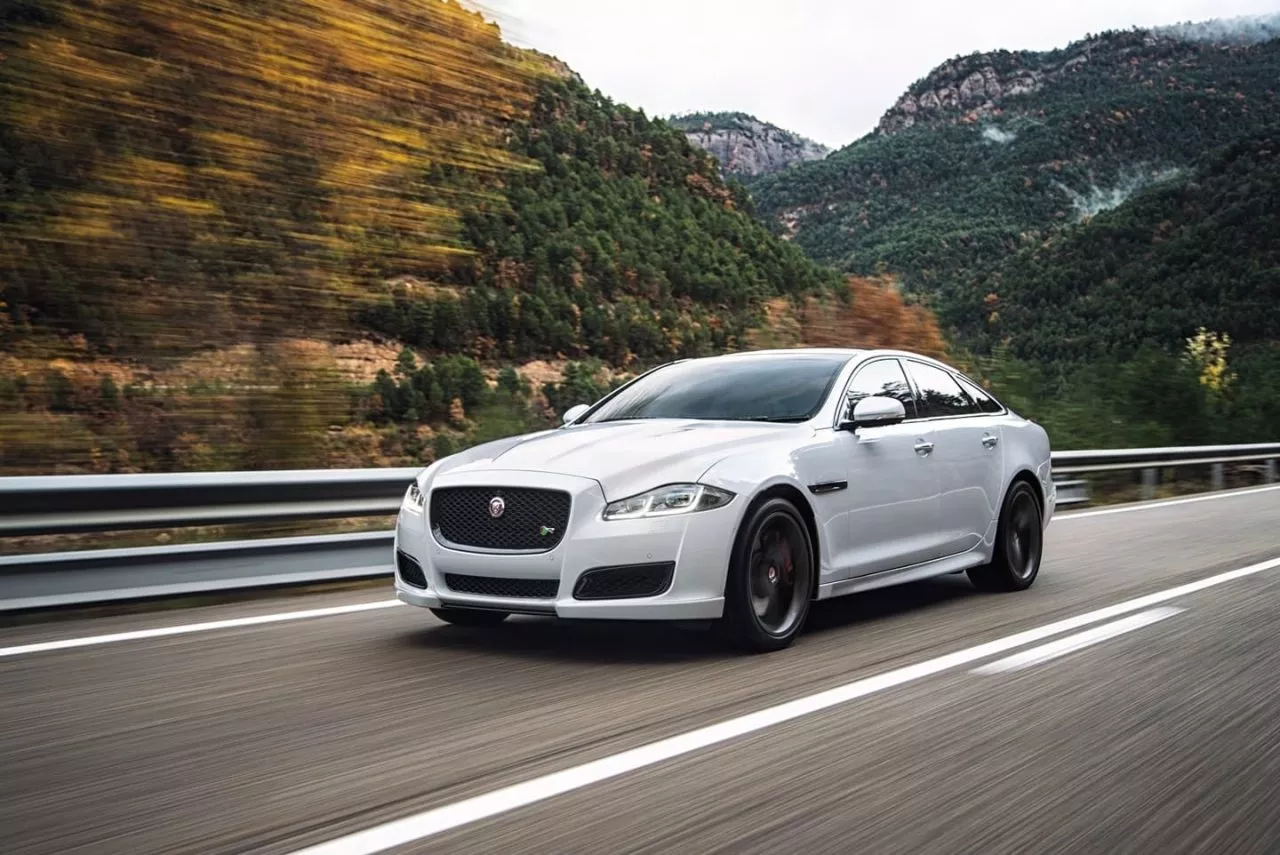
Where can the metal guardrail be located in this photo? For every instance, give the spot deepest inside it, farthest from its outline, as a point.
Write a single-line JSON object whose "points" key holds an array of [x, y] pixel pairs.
{"points": [[79, 504], [1149, 461]]}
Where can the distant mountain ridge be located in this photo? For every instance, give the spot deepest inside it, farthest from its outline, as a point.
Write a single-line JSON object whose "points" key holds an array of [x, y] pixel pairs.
{"points": [[746, 146], [1243, 30], [995, 152], [980, 86]]}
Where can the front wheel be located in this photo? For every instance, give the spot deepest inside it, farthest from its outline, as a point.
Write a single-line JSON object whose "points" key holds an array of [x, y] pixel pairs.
{"points": [[469, 617], [771, 579], [1019, 544]]}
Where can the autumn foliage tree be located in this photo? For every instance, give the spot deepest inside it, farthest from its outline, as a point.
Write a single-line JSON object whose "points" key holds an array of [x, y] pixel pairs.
{"points": [[874, 315]]}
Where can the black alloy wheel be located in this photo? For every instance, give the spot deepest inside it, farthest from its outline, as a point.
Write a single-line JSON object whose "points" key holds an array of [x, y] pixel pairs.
{"points": [[1019, 544], [771, 578]]}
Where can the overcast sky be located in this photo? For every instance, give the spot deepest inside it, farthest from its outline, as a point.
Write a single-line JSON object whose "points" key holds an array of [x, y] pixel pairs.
{"points": [[827, 69]]}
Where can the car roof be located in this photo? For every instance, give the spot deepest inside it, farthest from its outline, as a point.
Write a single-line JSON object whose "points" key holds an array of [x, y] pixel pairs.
{"points": [[845, 352]]}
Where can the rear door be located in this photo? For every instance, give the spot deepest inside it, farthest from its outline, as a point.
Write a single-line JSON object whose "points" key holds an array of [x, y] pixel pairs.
{"points": [[891, 499], [967, 456]]}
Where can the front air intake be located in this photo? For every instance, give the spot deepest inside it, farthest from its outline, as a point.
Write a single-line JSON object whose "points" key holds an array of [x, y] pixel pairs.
{"points": [[410, 571], [495, 586], [626, 582]]}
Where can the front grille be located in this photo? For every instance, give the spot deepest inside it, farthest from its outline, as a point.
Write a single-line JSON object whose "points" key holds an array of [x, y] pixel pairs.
{"points": [[532, 520], [618, 583], [410, 571], [492, 586]]}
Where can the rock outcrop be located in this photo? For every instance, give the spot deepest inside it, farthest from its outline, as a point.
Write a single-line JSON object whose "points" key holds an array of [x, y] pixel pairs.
{"points": [[745, 146]]}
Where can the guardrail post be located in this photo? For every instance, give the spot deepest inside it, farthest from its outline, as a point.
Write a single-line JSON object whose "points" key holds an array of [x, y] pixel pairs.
{"points": [[1218, 476], [1148, 484], [1271, 471]]}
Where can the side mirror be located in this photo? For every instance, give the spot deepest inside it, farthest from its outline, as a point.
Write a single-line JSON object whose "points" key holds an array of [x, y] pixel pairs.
{"points": [[876, 411], [572, 414]]}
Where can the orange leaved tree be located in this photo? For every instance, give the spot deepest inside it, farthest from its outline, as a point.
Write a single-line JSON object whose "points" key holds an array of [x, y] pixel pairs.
{"points": [[875, 315]]}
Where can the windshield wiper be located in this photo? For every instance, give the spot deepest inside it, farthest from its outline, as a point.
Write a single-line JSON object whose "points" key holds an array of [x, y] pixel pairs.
{"points": [[775, 419]]}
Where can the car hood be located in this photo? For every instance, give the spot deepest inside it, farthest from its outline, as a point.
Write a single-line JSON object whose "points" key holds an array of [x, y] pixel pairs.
{"points": [[624, 457]]}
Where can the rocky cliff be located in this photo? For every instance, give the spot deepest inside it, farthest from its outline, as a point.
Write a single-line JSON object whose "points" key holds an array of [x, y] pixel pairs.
{"points": [[745, 146], [980, 86]]}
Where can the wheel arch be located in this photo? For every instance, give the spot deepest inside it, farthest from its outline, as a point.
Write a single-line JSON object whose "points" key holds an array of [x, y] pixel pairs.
{"points": [[793, 494], [1026, 475]]}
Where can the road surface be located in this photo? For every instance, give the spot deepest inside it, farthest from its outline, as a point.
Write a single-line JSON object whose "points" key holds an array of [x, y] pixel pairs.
{"points": [[1129, 702]]}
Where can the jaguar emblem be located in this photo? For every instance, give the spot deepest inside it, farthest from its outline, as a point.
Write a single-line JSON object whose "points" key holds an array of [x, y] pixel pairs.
{"points": [[497, 507]]}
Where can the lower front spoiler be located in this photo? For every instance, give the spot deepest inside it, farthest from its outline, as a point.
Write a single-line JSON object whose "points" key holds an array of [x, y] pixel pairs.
{"points": [[658, 608]]}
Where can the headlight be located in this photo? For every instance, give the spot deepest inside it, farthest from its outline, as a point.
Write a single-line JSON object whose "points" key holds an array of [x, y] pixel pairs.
{"points": [[413, 498], [668, 501]]}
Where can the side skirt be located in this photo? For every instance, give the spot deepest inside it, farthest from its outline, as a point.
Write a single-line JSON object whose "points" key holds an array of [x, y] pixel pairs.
{"points": [[916, 572]]}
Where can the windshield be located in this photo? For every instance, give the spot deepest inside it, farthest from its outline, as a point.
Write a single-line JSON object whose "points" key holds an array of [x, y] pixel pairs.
{"points": [[762, 388]]}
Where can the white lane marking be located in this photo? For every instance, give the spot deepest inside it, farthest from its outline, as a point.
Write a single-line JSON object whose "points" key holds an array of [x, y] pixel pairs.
{"points": [[1163, 503], [183, 629], [1080, 640], [419, 826], [360, 607]]}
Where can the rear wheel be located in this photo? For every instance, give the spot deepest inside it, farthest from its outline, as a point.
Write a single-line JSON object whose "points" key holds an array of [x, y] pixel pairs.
{"points": [[469, 617], [771, 577], [1019, 544]]}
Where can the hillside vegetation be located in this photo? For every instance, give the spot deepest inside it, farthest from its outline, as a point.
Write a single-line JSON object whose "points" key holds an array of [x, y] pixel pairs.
{"points": [[413, 238], [622, 243], [177, 174], [993, 152], [1204, 251]]}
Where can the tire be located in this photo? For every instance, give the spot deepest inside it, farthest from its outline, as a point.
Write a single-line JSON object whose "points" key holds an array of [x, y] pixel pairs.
{"points": [[470, 617], [772, 567], [1019, 547]]}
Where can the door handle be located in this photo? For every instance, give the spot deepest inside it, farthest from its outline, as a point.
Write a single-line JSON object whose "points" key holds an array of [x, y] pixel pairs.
{"points": [[924, 448], [990, 441]]}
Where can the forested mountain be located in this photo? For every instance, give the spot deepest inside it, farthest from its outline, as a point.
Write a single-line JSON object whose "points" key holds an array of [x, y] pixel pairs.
{"points": [[1198, 252], [996, 151], [411, 238], [745, 146], [620, 241]]}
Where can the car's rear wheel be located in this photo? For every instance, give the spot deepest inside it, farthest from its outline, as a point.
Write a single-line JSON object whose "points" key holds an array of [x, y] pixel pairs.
{"points": [[469, 617], [1019, 544], [771, 577]]}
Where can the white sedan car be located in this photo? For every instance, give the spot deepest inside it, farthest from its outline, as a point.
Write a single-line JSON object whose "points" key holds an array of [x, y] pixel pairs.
{"points": [[735, 488]]}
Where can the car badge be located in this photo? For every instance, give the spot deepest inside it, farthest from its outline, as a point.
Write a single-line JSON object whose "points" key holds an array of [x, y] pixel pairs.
{"points": [[546, 530], [497, 507]]}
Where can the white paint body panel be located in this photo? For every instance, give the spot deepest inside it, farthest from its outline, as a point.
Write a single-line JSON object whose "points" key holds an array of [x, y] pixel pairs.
{"points": [[892, 513]]}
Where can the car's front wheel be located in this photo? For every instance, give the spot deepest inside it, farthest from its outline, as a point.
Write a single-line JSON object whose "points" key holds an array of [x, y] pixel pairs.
{"points": [[771, 577], [1015, 562], [469, 617]]}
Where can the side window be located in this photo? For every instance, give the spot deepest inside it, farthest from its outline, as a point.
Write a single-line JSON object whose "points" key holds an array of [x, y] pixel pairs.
{"points": [[985, 402], [940, 394], [883, 377]]}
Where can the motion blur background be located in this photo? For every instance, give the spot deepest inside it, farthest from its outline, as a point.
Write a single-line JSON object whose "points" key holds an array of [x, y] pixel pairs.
{"points": [[343, 234]]}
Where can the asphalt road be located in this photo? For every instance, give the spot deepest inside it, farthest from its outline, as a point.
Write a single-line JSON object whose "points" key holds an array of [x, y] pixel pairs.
{"points": [[1159, 733]]}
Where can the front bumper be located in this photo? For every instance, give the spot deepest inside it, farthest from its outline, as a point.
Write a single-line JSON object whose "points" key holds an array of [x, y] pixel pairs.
{"points": [[698, 544]]}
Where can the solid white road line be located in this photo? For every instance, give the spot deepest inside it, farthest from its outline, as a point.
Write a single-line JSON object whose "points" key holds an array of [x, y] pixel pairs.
{"points": [[382, 604], [1062, 646], [1161, 503], [447, 817], [183, 629]]}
